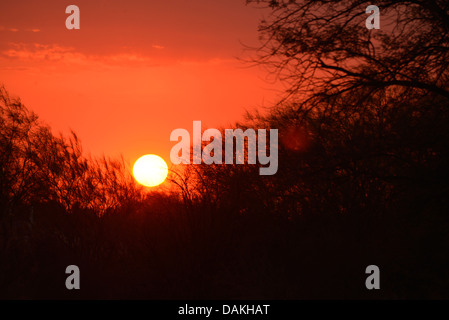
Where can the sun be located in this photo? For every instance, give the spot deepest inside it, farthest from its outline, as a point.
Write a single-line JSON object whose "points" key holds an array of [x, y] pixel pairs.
{"points": [[150, 170]]}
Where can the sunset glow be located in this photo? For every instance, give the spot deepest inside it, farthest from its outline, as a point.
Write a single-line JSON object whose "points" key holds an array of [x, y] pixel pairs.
{"points": [[130, 57]]}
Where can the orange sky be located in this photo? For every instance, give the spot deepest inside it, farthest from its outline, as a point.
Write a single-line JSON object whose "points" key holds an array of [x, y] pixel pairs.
{"points": [[135, 71]]}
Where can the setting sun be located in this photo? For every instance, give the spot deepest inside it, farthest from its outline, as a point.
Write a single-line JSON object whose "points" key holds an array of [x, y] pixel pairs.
{"points": [[150, 170]]}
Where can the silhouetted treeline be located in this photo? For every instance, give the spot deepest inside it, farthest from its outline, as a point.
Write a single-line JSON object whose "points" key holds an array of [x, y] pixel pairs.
{"points": [[38, 166], [362, 179]]}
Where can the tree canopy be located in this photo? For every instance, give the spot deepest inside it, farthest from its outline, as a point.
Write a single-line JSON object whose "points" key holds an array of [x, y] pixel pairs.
{"points": [[323, 50]]}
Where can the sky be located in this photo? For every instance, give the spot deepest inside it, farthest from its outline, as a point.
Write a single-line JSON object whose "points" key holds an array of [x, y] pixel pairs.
{"points": [[135, 70]]}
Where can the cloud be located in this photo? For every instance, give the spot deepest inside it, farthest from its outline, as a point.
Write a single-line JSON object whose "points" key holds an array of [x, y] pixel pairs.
{"points": [[37, 52], [54, 57], [159, 47], [57, 54], [2, 28]]}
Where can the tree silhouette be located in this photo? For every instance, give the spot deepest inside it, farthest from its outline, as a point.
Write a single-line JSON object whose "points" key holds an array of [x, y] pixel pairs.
{"points": [[365, 109], [38, 166], [19, 130], [323, 50]]}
